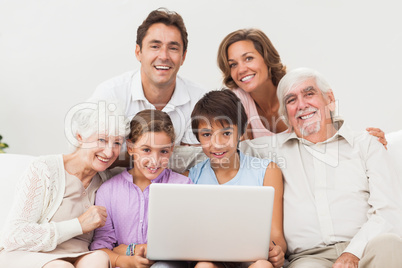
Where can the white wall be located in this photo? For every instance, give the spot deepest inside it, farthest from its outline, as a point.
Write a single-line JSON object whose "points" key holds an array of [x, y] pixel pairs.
{"points": [[54, 53]]}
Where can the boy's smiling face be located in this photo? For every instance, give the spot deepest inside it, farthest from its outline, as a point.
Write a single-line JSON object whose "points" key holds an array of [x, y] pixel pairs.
{"points": [[219, 142]]}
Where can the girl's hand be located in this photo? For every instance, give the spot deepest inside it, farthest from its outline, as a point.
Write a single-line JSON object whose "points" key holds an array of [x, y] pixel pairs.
{"points": [[376, 132], [137, 250], [276, 256], [139, 260], [93, 218]]}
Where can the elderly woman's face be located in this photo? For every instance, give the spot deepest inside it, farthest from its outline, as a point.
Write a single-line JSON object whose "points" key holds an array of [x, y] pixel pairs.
{"points": [[100, 150]]}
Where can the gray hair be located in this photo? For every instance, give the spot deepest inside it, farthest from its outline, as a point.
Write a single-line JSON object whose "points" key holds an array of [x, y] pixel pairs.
{"points": [[88, 118], [293, 79]]}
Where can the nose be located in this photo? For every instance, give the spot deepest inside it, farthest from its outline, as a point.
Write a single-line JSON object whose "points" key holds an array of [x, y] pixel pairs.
{"points": [[153, 158], [163, 53], [302, 104], [242, 68], [218, 141], [108, 151]]}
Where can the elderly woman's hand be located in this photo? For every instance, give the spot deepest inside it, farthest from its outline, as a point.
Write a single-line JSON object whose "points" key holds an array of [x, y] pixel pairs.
{"points": [[93, 218]]}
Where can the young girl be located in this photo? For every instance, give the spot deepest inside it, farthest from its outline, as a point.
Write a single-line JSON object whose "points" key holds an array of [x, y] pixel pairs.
{"points": [[219, 121], [125, 196]]}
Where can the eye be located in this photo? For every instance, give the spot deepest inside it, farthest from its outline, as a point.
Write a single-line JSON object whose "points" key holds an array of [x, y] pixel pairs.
{"points": [[249, 58], [154, 46], [102, 140], [146, 150], [227, 133], [164, 151], [117, 143], [232, 65], [290, 100], [174, 48], [206, 135], [310, 93]]}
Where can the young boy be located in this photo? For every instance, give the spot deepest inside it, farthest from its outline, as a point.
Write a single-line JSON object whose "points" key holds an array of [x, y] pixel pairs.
{"points": [[219, 121]]}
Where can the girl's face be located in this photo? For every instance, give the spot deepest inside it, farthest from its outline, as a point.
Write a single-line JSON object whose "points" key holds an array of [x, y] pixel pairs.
{"points": [[247, 66], [151, 154]]}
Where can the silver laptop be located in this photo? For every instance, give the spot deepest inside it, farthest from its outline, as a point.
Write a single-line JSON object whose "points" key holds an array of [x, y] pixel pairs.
{"points": [[209, 222]]}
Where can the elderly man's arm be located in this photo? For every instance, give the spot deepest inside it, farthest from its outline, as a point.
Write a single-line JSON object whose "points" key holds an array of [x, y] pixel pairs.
{"points": [[384, 200]]}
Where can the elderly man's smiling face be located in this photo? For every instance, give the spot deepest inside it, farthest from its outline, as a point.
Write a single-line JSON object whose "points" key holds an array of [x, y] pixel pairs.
{"points": [[309, 109]]}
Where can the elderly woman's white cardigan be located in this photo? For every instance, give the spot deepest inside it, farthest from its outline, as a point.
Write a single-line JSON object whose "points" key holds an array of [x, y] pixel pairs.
{"points": [[39, 195]]}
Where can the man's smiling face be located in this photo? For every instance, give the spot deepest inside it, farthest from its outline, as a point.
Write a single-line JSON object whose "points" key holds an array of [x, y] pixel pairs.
{"points": [[161, 55], [307, 109]]}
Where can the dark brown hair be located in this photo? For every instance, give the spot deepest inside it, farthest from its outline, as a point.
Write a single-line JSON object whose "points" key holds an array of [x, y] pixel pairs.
{"points": [[169, 18], [221, 106], [150, 121], [262, 44]]}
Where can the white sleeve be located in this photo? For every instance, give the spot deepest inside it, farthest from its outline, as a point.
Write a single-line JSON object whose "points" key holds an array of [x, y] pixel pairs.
{"points": [[385, 201], [23, 230]]}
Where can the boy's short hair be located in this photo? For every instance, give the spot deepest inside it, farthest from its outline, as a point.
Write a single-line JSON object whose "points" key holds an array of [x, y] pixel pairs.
{"points": [[221, 106]]}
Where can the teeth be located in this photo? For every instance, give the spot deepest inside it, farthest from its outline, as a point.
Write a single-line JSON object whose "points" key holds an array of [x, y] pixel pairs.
{"points": [[152, 170], [307, 116], [218, 153], [102, 159], [248, 77], [162, 67]]}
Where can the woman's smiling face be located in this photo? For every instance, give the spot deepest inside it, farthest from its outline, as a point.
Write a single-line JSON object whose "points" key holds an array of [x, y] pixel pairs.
{"points": [[247, 66]]}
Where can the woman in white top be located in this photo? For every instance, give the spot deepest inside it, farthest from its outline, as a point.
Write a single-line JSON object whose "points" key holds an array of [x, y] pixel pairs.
{"points": [[53, 218], [252, 68]]}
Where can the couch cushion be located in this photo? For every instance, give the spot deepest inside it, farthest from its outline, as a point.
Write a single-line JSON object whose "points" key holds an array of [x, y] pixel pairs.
{"points": [[11, 168]]}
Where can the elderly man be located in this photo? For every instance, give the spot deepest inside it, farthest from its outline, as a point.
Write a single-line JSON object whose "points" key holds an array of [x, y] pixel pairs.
{"points": [[161, 48], [342, 207]]}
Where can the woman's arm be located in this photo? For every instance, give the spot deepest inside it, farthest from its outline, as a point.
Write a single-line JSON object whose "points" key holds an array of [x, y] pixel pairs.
{"points": [[376, 132], [273, 177], [23, 230]]}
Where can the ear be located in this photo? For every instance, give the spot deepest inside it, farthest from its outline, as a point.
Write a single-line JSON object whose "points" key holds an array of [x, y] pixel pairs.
{"points": [[331, 100], [130, 147], [183, 58], [138, 52], [79, 137]]}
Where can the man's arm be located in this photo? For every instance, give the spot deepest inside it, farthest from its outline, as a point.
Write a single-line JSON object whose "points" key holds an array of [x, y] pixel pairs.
{"points": [[384, 200]]}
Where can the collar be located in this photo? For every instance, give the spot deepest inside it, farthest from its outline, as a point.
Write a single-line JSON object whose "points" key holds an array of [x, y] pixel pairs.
{"points": [[129, 177], [343, 131], [164, 173], [180, 95]]}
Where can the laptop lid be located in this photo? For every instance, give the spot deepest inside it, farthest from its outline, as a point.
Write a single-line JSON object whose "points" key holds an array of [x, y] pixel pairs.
{"points": [[209, 222]]}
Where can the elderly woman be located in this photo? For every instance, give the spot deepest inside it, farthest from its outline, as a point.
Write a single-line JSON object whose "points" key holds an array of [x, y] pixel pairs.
{"points": [[53, 218]]}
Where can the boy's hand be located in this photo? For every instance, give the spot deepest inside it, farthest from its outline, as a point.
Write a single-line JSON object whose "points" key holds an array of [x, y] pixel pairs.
{"points": [[276, 256]]}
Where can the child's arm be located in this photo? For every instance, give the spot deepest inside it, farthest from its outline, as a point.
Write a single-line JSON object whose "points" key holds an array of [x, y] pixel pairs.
{"points": [[123, 261], [122, 249], [273, 177]]}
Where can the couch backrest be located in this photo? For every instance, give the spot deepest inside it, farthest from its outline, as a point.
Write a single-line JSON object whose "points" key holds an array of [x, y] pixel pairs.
{"points": [[11, 168]]}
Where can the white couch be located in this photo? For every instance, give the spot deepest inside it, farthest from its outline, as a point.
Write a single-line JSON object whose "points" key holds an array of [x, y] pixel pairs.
{"points": [[13, 165]]}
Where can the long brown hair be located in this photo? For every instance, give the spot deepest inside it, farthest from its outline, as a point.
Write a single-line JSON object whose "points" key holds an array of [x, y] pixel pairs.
{"points": [[262, 44]]}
